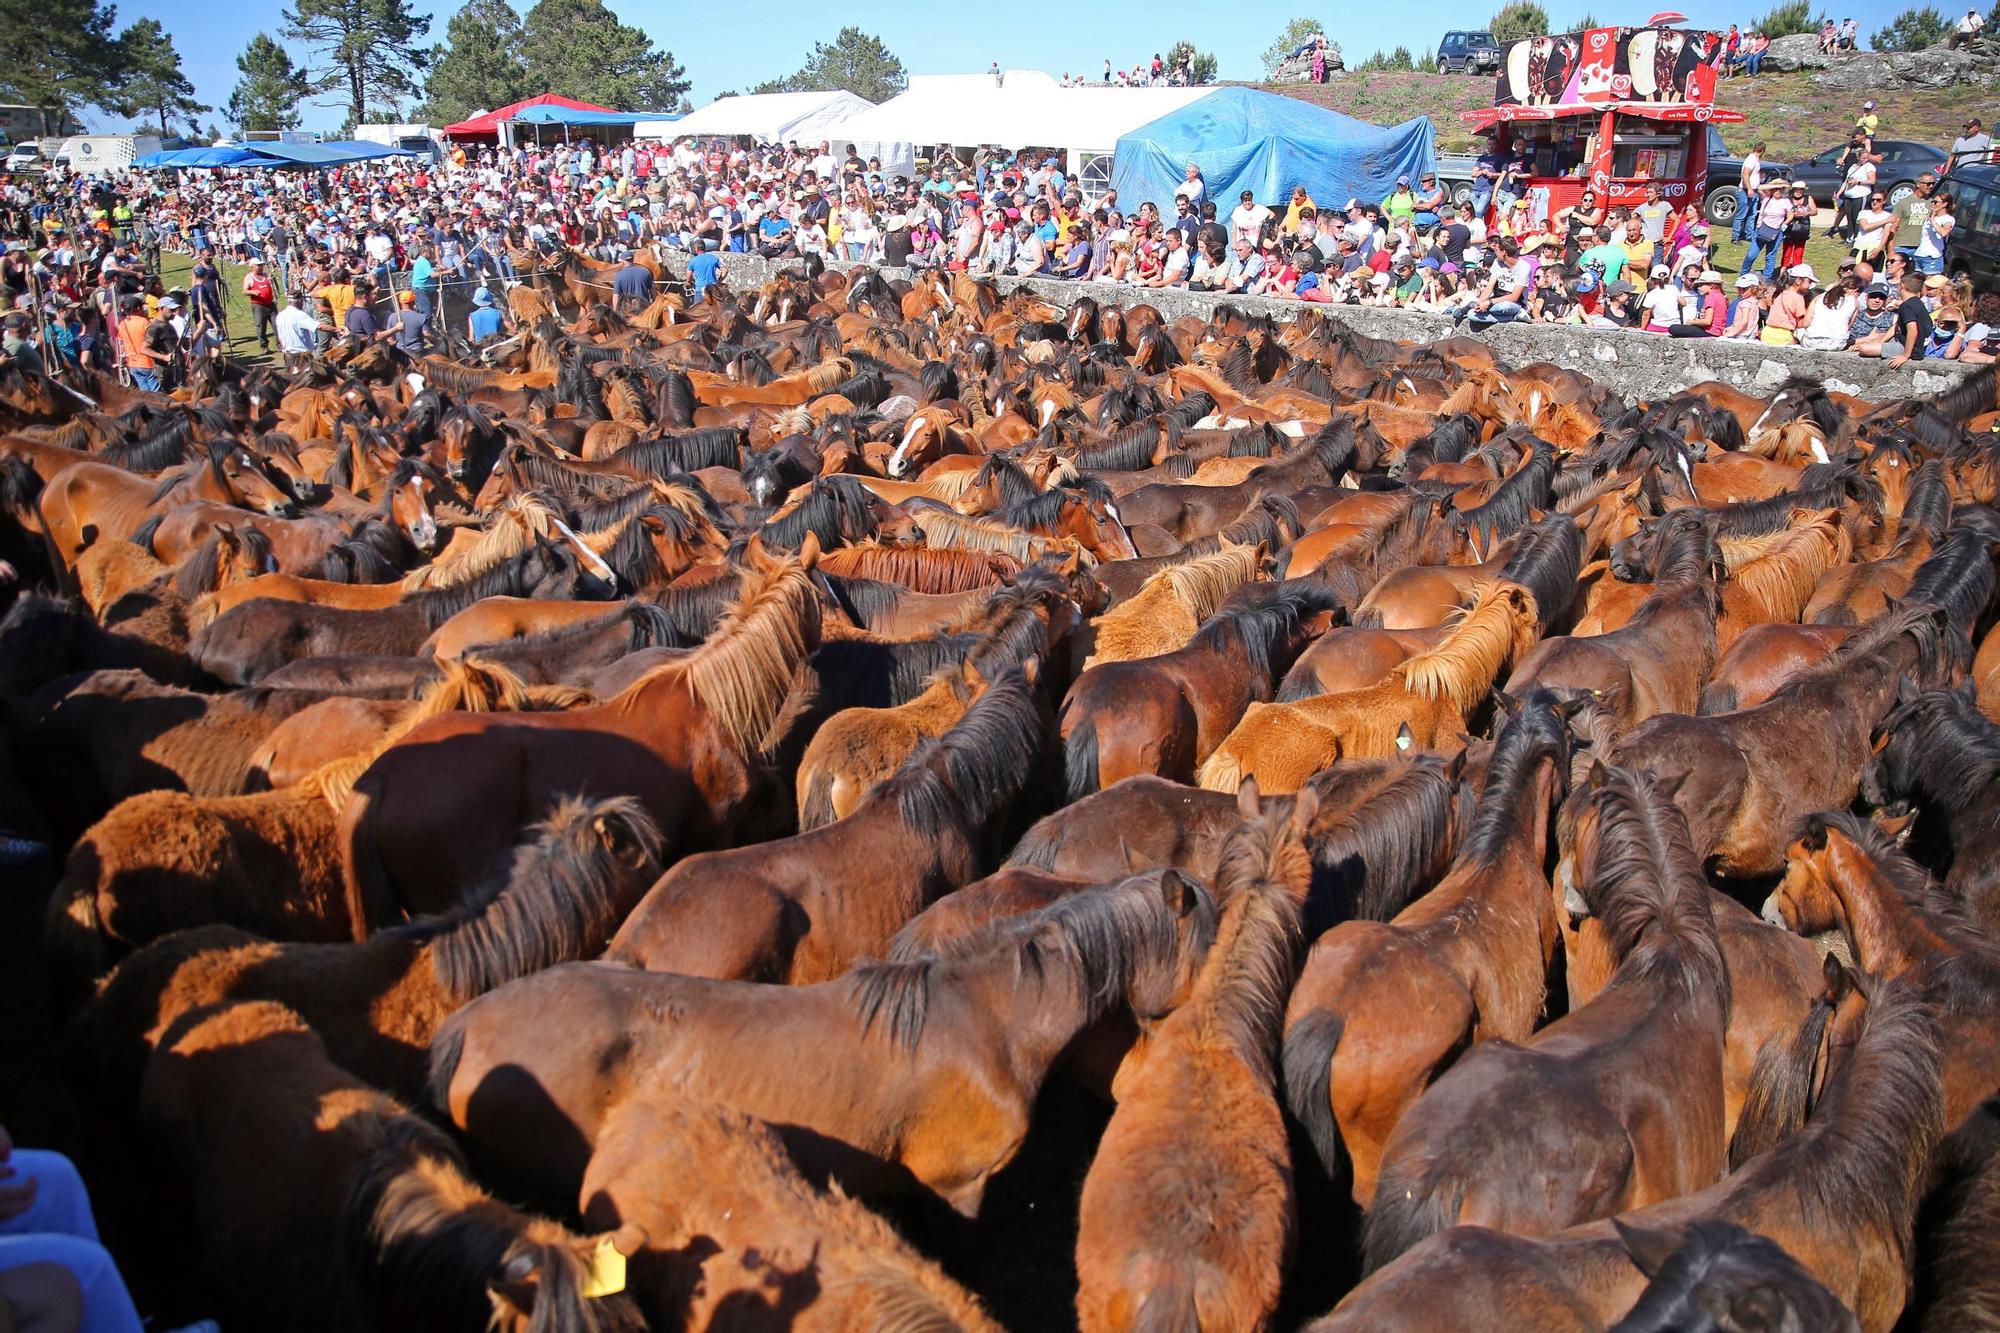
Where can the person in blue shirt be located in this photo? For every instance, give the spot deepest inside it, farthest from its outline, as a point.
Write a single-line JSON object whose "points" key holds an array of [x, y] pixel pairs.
{"points": [[705, 270], [423, 279], [774, 235], [632, 286], [487, 319]]}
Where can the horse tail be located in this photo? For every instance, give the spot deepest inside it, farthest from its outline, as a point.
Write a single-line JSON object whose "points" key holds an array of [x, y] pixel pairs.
{"points": [[365, 880], [1169, 1305], [447, 1049], [1781, 1087], [1406, 1211], [1717, 697], [142, 536], [816, 798], [1080, 760], [1308, 1066], [73, 931], [1368, 617], [1221, 771]]}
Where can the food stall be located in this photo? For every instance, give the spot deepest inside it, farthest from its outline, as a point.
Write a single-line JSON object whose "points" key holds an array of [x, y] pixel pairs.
{"points": [[1611, 109]]}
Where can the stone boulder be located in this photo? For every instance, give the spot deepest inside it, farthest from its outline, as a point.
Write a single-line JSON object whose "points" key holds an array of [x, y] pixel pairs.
{"points": [[1299, 69], [1939, 67], [1789, 55]]}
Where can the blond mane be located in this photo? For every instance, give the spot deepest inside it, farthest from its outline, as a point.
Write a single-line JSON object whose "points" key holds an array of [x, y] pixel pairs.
{"points": [[1782, 580], [517, 522], [1498, 625]]}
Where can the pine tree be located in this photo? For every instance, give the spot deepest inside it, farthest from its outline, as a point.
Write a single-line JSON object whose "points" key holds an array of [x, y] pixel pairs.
{"points": [[1519, 18], [153, 84], [478, 67], [58, 55], [580, 49], [267, 97], [856, 62], [1914, 30], [1296, 34], [368, 48]]}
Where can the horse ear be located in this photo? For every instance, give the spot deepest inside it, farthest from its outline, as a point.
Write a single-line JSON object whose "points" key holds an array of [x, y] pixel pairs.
{"points": [[1898, 826], [1838, 982], [809, 550], [1650, 1247], [1246, 798], [1599, 774], [519, 1282], [1176, 892], [1305, 808], [1813, 839], [1509, 704]]}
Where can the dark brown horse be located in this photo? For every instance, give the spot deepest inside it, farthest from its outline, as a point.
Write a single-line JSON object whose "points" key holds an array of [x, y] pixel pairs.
{"points": [[1944, 755], [806, 908]]}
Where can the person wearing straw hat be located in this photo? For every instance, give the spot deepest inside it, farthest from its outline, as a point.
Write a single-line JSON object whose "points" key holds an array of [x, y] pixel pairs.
{"points": [[1709, 307], [1773, 212]]}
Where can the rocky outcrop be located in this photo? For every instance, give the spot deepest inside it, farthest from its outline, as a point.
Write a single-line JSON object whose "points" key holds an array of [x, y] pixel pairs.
{"points": [[1299, 69], [1876, 71]]}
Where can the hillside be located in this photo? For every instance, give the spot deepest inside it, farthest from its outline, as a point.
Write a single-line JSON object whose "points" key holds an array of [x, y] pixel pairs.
{"points": [[1793, 116]]}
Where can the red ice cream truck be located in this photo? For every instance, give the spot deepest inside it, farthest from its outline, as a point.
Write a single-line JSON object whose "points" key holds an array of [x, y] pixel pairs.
{"points": [[1611, 109]]}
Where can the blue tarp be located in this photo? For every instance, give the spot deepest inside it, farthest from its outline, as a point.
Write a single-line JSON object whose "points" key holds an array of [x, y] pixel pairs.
{"points": [[1243, 139], [204, 157], [548, 114]]}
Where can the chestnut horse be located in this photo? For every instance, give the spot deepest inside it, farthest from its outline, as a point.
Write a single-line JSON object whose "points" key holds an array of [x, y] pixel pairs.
{"points": [[806, 908], [1188, 1219], [556, 899], [920, 1073], [1616, 1105], [433, 811], [1382, 1007]]}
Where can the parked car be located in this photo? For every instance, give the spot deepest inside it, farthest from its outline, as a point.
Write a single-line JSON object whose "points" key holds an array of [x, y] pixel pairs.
{"points": [[1902, 162], [1723, 194], [1468, 53], [26, 157], [1974, 249]]}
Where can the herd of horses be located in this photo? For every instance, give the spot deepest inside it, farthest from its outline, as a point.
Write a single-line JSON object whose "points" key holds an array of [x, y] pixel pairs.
{"points": [[866, 805]]}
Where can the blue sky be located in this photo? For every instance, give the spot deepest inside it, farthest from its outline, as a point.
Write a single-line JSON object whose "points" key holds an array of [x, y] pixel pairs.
{"points": [[772, 37]]}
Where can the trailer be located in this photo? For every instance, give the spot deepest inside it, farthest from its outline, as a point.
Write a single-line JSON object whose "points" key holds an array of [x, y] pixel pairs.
{"points": [[103, 154]]}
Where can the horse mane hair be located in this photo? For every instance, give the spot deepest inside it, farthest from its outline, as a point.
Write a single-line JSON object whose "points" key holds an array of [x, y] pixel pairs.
{"points": [[1203, 583], [1536, 732], [922, 569], [1927, 506], [631, 552], [864, 599], [426, 1242], [971, 772], [1924, 624], [556, 898], [20, 484], [742, 674], [1463, 665], [1957, 576], [1862, 1156], [1016, 487], [1514, 501], [1942, 748], [1095, 938], [836, 508], [1942, 912], [202, 570], [527, 516], [509, 578], [1546, 563], [1261, 877], [1821, 486], [949, 531], [1976, 393], [1782, 1085], [1648, 888], [1384, 847], [1830, 417], [670, 455], [1131, 449], [1782, 580], [164, 448]]}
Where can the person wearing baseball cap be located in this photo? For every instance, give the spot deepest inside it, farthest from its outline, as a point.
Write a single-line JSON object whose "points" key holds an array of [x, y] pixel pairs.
{"points": [[1746, 314]]}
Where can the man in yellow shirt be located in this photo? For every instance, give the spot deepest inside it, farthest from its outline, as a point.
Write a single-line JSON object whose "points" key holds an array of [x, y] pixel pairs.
{"points": [[338, 293], [1869, 122], [1300, 202]]}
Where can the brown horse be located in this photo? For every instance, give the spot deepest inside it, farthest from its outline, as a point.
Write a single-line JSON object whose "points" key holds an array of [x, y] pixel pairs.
{"points": [[90, 502], [557, 899], [735, 1238], [1613, 1107], [1745, 791], [1943, 755], [922, 1072], [1166, 714], [1172, 605], [1848, 874], [289, 1162], [1838, 1196], [1188, 1217], [1426, 701], [682, 739], [804, 909], [1382, 1008]]}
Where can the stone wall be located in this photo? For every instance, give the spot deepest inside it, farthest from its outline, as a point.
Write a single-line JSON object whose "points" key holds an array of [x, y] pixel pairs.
{"points": [[1634, 365]]}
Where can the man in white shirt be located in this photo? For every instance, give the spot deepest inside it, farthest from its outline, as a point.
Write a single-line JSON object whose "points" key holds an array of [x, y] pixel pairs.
{"points": [[1968, 28], [297, 330], [1194, 189], [1248, 218], [1751, 177]]}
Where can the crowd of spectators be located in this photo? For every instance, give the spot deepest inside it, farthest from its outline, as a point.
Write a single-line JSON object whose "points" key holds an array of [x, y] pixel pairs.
{"points": [[421, 253]]}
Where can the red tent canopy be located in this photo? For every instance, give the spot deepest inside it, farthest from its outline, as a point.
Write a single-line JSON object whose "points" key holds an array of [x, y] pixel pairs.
{"points": [[488, 125]]}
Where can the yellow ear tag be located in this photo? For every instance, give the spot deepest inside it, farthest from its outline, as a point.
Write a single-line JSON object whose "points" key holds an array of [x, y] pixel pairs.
{"points": [[607, 1271]]}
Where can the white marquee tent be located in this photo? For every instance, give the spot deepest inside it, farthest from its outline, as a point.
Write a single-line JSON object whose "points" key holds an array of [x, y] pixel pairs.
{"points": [[783, 117], [1023, 108]]}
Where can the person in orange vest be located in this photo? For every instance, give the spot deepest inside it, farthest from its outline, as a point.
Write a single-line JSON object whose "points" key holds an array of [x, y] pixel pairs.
{"points": [[140, 363]]}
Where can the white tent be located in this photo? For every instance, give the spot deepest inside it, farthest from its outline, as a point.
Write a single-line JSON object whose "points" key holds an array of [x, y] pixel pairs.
{"points": [[1023, 108], [807, 118]]}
